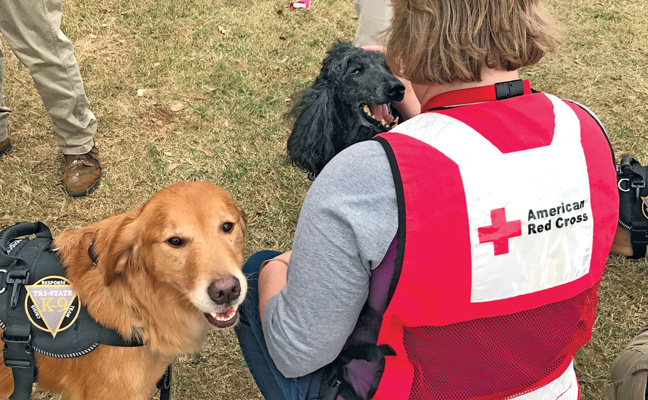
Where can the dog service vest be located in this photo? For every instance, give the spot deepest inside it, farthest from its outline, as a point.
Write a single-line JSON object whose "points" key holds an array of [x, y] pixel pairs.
{"points": [[39, 310], [507, 212]]}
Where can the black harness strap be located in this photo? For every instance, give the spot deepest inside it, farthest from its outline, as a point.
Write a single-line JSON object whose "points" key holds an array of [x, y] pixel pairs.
{"points": [[18, 356], [164, 384], [632, 181], [17, 337], [639, 234]]}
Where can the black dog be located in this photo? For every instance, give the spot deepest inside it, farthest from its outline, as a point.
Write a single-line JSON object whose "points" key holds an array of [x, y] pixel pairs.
{"points": [[350, 101]]}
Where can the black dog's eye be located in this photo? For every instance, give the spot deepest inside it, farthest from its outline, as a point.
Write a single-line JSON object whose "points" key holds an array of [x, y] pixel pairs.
{"points": [[227, 227], [356, 70], [175, 241]]}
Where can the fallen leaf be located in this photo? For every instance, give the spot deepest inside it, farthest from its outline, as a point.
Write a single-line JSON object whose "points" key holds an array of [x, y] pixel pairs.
{"points": [[156, 65], [140, 92], [171, 167], [6, 217], [209, 152], [177, 106]]}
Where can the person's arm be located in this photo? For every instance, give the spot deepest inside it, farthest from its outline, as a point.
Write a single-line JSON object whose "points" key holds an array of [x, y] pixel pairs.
{"points": [[347, 222], [272, 278]]}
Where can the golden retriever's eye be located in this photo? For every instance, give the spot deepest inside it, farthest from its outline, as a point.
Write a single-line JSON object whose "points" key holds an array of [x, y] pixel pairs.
{"points": [[175, 241], [227, 227]]}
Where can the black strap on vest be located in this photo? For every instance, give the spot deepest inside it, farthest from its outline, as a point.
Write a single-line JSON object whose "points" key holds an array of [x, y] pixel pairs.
{"points": [[18, 352], [164, 384], [631, 178]]}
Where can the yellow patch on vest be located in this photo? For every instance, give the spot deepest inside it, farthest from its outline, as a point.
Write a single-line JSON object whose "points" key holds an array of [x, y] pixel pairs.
{"points": [[52, 305]]}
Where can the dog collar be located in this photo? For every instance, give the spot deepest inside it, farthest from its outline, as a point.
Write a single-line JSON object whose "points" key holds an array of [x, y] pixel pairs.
{"points": [[498, 91]]}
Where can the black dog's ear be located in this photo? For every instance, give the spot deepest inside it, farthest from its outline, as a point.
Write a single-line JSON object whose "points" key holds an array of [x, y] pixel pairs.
{"points": [[335, 62], [310, 144]]}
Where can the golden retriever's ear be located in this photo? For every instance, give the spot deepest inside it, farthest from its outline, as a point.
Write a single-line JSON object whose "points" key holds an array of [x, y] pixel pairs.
{"points": [[116, 245], [243, 218]]}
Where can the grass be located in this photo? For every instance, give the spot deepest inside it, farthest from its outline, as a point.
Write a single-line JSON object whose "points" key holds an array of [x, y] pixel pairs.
{"points": [[215, 77]]}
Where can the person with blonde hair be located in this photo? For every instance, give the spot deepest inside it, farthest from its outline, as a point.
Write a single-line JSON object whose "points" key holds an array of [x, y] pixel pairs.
{"points": [[457, 256]]}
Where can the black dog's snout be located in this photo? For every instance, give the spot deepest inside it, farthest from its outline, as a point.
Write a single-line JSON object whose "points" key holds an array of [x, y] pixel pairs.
{"points": [[396, 90], [224, 291]]}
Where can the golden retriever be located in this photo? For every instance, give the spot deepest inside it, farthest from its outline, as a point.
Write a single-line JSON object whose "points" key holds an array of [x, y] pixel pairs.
{"points": [[622, 244], [166, 272]]}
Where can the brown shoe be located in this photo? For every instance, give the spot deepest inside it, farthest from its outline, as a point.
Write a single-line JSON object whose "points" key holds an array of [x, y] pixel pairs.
{"points": [[5, 146], [82, 173]]}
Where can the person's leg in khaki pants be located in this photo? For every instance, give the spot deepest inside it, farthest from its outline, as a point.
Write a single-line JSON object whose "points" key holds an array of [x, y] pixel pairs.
{"points": [[32, 29], [629, 372], [374, 16], [4, 113]]}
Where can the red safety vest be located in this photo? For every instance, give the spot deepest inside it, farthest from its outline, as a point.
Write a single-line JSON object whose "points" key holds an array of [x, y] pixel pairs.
{"points": [[508, 210]]}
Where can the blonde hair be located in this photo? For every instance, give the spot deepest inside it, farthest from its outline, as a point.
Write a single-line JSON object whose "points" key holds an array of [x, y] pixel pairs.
{"points": [[442, 41]]}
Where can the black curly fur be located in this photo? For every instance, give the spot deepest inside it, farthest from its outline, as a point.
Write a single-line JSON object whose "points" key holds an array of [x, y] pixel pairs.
{"points": [[330, 116]]}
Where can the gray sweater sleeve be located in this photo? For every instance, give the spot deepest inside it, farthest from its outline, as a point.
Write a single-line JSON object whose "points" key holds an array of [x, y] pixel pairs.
{"points": [[347, 221]]}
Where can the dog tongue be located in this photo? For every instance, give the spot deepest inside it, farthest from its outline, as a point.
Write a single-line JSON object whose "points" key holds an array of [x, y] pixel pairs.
{"points": [[381, 112]]}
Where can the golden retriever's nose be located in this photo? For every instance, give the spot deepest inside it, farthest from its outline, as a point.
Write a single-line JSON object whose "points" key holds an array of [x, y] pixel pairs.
{"points": [[224, 291]]}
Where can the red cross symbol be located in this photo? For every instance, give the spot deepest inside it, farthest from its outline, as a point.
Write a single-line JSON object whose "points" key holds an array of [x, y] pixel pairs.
{"points": [[500, 232]]}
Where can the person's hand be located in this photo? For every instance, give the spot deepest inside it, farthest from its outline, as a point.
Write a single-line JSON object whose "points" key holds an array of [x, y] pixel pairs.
{"points": [[272, 278], [374, 48]]}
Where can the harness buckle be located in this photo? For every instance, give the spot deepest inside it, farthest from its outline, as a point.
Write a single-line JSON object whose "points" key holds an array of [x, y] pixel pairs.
{"points": [[18, 350], [17, 278]]}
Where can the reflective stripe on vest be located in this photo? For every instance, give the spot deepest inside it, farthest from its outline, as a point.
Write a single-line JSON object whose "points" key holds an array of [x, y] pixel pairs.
{"points": [[508, 214]]}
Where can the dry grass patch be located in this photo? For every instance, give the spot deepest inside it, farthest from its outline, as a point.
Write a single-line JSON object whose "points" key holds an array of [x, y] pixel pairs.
{"points": [[196, 90]]}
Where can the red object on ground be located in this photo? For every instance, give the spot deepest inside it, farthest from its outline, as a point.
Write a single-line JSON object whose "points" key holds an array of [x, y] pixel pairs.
{"points": [[303, 4]]}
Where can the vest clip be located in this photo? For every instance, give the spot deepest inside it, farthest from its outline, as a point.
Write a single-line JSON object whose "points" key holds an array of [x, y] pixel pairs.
{"points": [[17, 347], [17, 278]]}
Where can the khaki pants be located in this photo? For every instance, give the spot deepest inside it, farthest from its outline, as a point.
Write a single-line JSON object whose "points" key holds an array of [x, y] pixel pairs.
{"points": [[32, 29], [374, 16], [629, 372]]}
